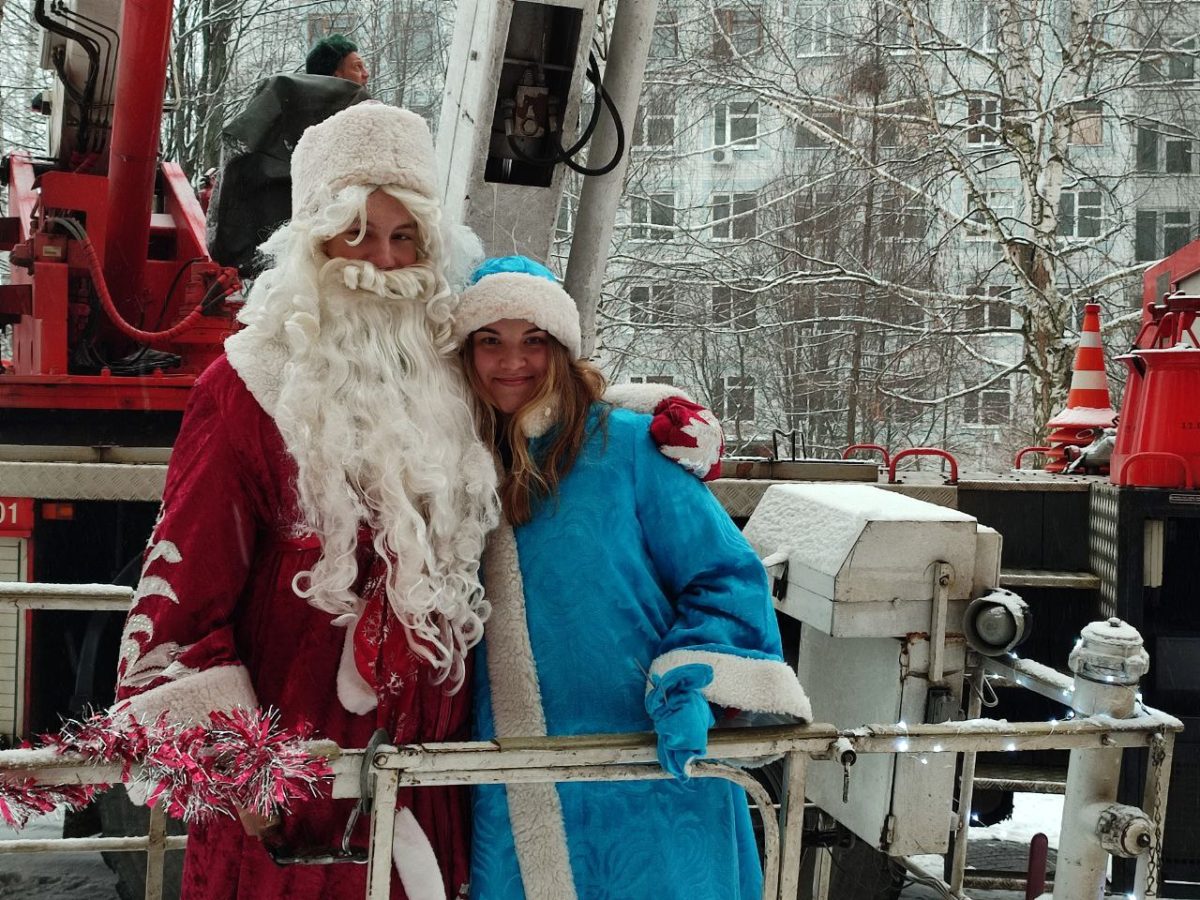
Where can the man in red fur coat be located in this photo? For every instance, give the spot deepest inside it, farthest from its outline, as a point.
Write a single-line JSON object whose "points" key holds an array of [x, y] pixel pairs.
{"points": [[325, 508]]}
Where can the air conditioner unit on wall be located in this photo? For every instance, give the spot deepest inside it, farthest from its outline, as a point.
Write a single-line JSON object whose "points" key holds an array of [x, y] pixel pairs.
{"points": [[720, 156]]}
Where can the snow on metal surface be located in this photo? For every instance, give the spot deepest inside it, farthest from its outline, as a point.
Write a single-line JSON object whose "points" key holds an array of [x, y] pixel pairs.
{"points": [[827, 519]]}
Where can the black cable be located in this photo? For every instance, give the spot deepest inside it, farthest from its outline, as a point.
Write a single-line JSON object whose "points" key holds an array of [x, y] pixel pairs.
{"points": [[561, 155], [617, 153], [170, 290], [593, 75], [113, 42], [216, 292], [91, 48]]}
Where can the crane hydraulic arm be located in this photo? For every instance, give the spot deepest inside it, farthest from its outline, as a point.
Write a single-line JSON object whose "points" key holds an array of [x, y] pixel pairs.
{"points": [[114, 301]]}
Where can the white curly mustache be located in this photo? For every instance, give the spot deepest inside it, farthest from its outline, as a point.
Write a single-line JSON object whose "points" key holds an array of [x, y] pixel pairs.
{"points": [[415, 282]]}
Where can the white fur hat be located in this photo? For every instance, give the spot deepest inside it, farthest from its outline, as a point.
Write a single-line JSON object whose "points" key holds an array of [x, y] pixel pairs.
{"points": [[519, 295], [368, 143]]}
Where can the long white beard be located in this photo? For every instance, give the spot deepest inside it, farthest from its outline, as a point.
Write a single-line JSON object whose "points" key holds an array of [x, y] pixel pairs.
{"points": [[377, 415]]}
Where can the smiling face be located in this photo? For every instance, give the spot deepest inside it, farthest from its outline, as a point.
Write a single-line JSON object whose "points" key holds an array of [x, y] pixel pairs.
{"points": [[389, 240], [511, 358]]}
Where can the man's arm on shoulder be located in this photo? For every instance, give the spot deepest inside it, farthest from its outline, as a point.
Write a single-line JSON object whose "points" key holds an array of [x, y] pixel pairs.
{"points": [[684, 430]]}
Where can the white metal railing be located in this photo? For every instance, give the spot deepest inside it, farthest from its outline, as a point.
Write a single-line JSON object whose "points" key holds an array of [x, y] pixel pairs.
{"points": [[632, 757], [77, 597]]}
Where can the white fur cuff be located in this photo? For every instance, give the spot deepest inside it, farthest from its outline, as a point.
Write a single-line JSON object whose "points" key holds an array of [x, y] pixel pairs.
{"points": [[641, 398], [189, 700], [355, 695], [756, 685]]}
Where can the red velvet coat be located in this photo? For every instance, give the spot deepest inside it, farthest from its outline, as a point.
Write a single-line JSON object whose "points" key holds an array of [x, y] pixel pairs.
{"points": [[215, 624]]}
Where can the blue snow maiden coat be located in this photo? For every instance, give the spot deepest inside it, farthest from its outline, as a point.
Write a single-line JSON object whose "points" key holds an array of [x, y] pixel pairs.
{"points": [[633, 569]]}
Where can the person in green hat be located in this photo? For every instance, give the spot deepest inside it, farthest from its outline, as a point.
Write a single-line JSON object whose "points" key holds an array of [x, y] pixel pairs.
{"points": [[337, 55]]}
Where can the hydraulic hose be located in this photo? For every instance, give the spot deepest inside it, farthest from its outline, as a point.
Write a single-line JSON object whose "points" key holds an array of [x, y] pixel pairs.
{"points": [[97, 272]]}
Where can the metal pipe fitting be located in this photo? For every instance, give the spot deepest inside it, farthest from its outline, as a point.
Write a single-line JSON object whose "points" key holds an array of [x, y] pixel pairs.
{"points": [[1108, 661], [1123, 830]]}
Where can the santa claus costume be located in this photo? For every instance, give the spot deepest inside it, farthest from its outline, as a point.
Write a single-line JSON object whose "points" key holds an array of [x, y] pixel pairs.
{"points": [[326, 505], [322, 521]]}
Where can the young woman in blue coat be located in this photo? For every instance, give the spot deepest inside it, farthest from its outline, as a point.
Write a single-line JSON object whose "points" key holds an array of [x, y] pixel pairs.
{"points": [[623, 599]]}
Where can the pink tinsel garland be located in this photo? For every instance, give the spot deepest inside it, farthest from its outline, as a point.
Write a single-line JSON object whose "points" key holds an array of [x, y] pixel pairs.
{"points": [[241, 760]]}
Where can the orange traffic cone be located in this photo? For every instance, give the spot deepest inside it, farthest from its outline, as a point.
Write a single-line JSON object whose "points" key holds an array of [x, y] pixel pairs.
{"points": [[1089, 408]]}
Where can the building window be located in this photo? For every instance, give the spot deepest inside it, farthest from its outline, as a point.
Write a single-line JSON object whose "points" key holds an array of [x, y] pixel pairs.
{"points": [[1181, 63], [653, 304], [734, 217], [736, 123], [817, 221], [737, 30], [1079, 213], [652, 379], [991, 405], [1162, 151], [816, 29], [1087, 124], [732, 306], [665, 42], [655, 126], [992, 313], [895, 29], [983, 120], [733, 398], [653, 218], [1176, 63], [979, 226], [564, 226], [813, 138], [1159, 233], [901, 217], [983, 25], [320, 26]]}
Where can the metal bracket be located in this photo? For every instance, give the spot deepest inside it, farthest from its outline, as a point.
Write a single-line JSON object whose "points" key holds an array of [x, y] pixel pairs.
{"points": [[943, 575]]}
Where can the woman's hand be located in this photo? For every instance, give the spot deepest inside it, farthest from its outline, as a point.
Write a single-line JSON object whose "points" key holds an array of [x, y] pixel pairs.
{"points": [[681, 716]]}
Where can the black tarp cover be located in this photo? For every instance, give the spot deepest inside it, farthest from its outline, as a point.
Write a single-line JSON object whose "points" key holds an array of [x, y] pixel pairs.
{"points": [[253, 196]]}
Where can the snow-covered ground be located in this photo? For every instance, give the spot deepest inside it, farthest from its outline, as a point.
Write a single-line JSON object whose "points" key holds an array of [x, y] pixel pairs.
{"points": [[52, 876], [1032, 813]]}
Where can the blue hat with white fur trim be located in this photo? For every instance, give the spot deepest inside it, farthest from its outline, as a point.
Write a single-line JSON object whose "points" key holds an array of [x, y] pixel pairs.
{"points": [[517, 287]]}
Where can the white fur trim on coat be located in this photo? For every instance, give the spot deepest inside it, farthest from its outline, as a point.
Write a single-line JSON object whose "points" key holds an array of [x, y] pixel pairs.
{"points": [[368, 144], [739, 682], [414, 859], [189, 700], [535, 810], [519, 295], [641, 398], [259, 361], [353, 692]]}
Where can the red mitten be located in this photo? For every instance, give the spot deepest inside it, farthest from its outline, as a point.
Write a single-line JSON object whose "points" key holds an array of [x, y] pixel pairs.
{"points": [[689, 434]]}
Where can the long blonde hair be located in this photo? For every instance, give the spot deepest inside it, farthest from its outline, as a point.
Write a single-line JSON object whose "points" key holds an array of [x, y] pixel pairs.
{"points": [[567, 392]]}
